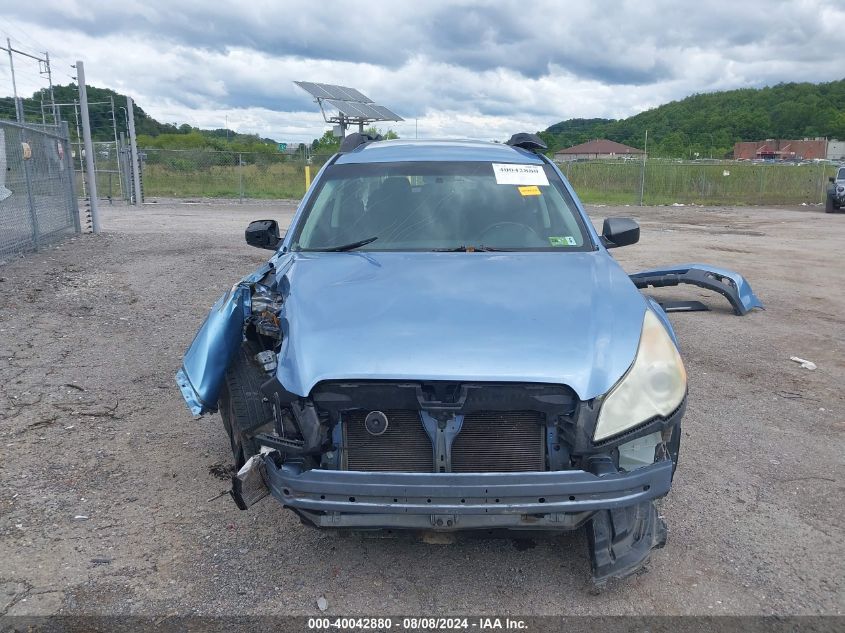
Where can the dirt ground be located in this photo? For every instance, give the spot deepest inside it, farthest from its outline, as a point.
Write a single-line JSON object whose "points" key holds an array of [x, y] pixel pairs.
{"points": [[106, 479]]}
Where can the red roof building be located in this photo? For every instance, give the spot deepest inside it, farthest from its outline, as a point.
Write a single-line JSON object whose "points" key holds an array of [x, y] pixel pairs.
{"points": [[599, 148]]}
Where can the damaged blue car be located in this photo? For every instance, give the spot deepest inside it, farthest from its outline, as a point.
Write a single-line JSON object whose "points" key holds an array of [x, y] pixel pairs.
{"points": [[442, 341]]}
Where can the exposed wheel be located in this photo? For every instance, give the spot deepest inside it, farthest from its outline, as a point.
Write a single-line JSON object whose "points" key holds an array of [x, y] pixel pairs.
{"points": [[829, 206], [242, 406]]}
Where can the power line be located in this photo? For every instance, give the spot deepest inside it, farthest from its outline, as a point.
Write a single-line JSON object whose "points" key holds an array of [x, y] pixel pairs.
{"points": [[42, 71], [32, 41]]}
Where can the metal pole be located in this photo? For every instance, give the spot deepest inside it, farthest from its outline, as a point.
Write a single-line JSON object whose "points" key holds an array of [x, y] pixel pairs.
{"points": [[116, 149], [133, 148], [50, 82], [69, 173], [89, 149], [822, 186], [18, 112], [241, 178], [79, 146], [33, 212], [642, 171], [126, 175]]}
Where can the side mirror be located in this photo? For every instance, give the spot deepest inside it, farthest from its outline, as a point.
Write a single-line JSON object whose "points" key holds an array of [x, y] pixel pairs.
{"points": [[263, 234], [619, 232]]}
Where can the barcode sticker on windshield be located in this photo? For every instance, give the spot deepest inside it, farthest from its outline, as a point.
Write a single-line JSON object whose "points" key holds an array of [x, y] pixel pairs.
{"points": [[510, 174]]}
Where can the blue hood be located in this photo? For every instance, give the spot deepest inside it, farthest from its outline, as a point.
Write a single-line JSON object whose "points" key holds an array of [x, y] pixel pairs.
{"points": [[548, 317]]}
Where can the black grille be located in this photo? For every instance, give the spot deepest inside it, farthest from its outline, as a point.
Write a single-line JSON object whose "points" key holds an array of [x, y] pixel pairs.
{"points": [[403, 447], [500, 441]]}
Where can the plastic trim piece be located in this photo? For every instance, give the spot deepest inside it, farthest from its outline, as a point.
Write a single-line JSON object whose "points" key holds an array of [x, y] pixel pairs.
{"points": [[728, 283]]}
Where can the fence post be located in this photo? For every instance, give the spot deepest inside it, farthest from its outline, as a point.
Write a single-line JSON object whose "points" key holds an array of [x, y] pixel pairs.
{"points": [[89, 148], [642, 173], [133, 150], [73, 205], [822, 186], [125, 169], [33, 214], [241, 177]]}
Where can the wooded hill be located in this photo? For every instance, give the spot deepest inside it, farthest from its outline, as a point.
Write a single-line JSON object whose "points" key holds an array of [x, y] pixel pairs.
{"points": [[151, 133], [711, 123]]}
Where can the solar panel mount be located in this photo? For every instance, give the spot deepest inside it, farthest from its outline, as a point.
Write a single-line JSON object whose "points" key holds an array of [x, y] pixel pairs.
{"points": [[353, 107]]}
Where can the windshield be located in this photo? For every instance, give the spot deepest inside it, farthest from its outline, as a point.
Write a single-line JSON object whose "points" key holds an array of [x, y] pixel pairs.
{"points": [[841, 175], [441, 205]]}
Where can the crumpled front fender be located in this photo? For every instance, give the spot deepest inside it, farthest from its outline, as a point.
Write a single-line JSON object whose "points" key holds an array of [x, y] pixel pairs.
{"points": [[728, 283], [219, 337]]}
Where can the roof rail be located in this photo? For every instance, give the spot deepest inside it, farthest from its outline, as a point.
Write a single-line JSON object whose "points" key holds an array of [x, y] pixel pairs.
{"points": [[530, 142], [355, 139]]}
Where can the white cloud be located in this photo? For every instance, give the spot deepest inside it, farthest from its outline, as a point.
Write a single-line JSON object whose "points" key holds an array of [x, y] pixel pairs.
{"points": [[474, 69]]}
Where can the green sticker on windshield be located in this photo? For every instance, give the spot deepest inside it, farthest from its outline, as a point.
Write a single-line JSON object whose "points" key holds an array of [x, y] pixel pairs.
{"points": [[566, 240]]}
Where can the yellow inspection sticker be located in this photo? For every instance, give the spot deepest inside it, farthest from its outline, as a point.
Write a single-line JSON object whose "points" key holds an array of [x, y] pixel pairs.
{"points": [[529, 190]]}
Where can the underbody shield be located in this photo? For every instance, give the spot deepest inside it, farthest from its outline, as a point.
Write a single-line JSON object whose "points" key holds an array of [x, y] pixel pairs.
{"points": [[621, 540]]}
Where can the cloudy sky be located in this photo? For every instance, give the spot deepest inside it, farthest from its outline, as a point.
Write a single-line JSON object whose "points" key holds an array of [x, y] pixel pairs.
{"points": [[461, 68]]}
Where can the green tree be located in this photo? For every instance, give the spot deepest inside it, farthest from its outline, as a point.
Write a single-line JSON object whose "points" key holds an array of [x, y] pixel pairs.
{"points": [[711, 123]]}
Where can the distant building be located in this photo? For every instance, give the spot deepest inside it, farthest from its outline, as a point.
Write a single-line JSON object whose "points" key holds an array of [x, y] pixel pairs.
{"points": [[835, 150], [782, 149], [599, 148]]}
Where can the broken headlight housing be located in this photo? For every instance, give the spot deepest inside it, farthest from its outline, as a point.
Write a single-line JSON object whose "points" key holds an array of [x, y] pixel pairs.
{"points": [[655, 384]]}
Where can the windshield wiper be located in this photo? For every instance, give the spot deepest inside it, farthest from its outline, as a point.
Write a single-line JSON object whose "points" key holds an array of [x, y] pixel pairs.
{"points": [[470, 249], [344, 247]]}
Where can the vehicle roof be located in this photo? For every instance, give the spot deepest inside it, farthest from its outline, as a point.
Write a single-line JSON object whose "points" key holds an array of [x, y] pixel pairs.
{"points": [[437, 150]]}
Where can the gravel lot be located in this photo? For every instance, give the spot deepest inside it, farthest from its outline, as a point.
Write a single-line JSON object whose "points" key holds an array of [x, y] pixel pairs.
{"points": [[106, 477]]}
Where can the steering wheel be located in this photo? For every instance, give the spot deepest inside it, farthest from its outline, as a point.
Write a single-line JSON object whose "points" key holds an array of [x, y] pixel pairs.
{"points": [[497, 225]]}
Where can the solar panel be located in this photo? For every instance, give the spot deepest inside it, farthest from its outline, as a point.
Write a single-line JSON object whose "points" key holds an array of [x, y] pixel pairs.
{"points": [[386, 113], [351, 103], [330, 91], [355, 109]]}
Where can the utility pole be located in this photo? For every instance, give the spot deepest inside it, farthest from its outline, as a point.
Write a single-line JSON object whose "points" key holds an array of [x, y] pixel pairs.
{"points": [[18, 113], [90, 174], [50, 83], [133, 150], [642, 172]]}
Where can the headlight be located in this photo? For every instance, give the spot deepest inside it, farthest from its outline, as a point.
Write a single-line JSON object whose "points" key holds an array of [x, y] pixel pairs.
{"points": [[654, 385]]}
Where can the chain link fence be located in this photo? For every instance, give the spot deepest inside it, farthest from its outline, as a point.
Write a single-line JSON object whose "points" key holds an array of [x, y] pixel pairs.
{"points": [[204, 173], [225, 174], [698, 182], [37, 201]]}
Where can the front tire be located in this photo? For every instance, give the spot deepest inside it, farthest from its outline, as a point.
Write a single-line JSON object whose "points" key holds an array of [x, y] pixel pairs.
{"points": [[830, 206], [242, 406]]}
